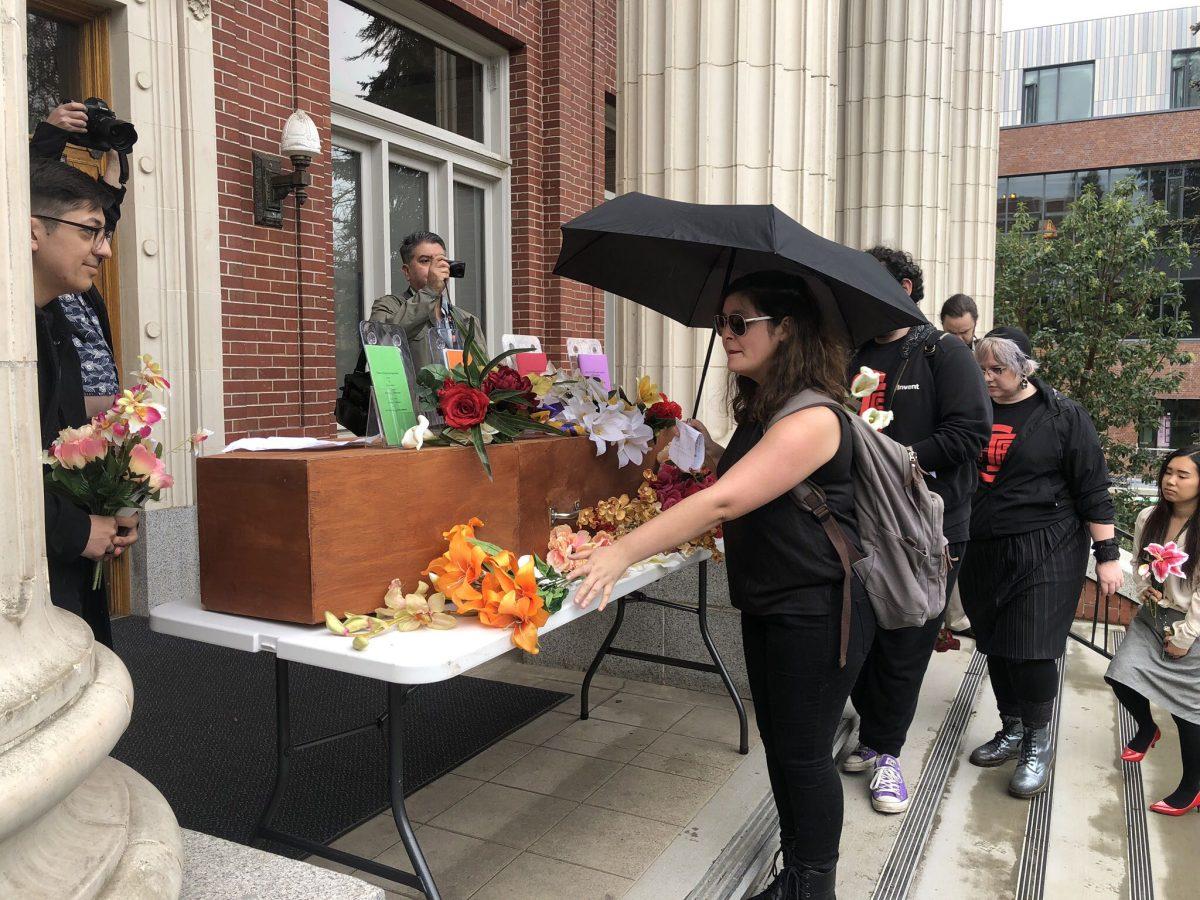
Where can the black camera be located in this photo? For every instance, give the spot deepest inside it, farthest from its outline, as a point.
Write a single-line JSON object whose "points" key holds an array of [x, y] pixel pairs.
{"points": [[104, 130], [458, 269]]}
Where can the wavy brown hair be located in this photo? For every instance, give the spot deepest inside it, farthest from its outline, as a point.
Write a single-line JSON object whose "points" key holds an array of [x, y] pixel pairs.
{"points": [[813, 355]]}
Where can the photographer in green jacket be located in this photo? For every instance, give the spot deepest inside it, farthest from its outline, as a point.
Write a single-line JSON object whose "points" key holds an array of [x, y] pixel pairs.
{"points": [[424, 309]]}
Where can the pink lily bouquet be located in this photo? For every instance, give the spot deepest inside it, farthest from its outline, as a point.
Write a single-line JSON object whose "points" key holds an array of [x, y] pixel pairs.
{"points": [[112, 463]]}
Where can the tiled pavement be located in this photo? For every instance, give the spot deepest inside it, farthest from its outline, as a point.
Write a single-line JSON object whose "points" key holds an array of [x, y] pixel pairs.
{"points": [[565, 807]]}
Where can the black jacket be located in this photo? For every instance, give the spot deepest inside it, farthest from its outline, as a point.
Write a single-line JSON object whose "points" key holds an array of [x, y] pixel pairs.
{"points": [[60, 400], [942, 412], [1054, 469]]}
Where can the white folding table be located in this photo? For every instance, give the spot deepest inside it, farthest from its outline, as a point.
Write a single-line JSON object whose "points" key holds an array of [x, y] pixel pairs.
{"points": [[403, 661]]}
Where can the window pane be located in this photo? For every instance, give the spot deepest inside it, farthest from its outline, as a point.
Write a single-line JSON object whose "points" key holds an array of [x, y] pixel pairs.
{"points": [[1029, 96], [376, 59], [1047, 95], [408, 211], [53, 64], [469, 246], [1098, 178], [610, 145], [1182, 421], [1075, 91], [1191, 304], [348, 306], [1027, 190], [1002, 204], [1060, 194]]}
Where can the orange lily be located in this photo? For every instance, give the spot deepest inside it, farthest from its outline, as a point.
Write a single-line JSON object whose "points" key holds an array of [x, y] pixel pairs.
{"points": [[522, 603], [467, 531], [455, 572]]}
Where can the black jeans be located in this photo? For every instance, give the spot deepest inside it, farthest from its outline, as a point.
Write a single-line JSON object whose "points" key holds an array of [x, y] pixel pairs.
{"points": [[799, 695], [889, 684]]}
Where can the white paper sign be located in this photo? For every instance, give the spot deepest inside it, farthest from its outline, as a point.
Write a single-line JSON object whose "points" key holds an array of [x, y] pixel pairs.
{"points": [[529, 342]]}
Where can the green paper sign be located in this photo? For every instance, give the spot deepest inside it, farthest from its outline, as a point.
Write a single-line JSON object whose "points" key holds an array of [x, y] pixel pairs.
{"points": [[390, 366]]}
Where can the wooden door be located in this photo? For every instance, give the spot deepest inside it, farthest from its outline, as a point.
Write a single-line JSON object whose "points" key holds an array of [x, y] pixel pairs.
{"points": [[69, 60]]}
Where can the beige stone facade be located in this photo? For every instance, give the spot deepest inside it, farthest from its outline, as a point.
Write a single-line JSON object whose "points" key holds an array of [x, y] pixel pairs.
{"points": [[868, 122]]}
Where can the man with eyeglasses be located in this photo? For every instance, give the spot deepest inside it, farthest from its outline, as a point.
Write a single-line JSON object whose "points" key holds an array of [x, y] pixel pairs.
{"points": [[930, 381], [86, 310], [69, 239]]}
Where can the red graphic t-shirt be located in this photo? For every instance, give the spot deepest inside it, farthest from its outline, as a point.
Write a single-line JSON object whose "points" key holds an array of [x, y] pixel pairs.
{"points": [[992, 457], [1008, 421]]}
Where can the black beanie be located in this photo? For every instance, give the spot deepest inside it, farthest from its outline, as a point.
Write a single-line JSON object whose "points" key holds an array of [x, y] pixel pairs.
{"points": [[1016, 335]]}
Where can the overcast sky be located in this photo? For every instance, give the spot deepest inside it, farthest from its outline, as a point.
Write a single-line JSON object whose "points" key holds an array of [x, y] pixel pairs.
{"points": [[1031, 13]]}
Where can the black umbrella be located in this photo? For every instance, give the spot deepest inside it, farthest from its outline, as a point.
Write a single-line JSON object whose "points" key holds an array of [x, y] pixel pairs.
{"points": [[678, 258]]}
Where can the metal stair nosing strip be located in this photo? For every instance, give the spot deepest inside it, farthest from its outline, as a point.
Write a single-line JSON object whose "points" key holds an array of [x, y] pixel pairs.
{"points": [[1138, 864], [901, 865], [1031, 877]]}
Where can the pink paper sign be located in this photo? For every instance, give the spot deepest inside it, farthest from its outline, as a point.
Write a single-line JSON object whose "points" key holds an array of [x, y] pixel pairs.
{"points": [[595, 365]]}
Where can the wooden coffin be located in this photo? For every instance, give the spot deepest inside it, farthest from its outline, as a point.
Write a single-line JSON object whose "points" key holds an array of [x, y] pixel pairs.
{"points": [[289, 535]]}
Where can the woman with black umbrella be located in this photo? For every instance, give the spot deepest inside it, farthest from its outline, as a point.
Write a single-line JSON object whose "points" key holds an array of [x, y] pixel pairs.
{"points": [[784, 573], [1042, 500]]}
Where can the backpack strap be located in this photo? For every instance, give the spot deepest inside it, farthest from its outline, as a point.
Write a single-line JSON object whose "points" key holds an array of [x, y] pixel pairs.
{"points": [[810, 498]]}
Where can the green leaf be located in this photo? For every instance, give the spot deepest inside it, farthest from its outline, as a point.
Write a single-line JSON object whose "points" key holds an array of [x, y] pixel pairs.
{"points": [[496, 360], [525, 424], [477, 440], [489, 548]]}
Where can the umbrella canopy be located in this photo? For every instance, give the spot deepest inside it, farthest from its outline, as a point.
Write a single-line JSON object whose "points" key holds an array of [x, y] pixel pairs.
{"points": [[677, 258]]}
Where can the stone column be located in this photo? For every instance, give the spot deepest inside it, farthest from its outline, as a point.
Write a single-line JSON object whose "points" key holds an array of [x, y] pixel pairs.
{"points": [[897, 66], [974, 153], [73, 823], [722, 102]]}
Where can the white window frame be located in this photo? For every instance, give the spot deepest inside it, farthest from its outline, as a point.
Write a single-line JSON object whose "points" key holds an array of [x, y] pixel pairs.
{"points": [[383, 136]]}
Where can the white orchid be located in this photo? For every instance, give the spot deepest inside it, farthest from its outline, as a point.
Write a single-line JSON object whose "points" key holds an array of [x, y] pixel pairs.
{"points": [[877, 418], [865, 382], [624, 429]]}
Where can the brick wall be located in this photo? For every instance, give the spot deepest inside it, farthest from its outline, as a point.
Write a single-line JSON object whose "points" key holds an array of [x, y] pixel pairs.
{"points": [[1100, 143], [277, 286]]}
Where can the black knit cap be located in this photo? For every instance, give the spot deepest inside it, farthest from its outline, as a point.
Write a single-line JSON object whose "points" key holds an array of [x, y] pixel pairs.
{"points": [[1016, 335]]}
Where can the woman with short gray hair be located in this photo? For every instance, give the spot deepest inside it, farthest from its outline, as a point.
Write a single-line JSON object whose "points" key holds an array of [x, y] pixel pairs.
{"points": [[1042, 499]]}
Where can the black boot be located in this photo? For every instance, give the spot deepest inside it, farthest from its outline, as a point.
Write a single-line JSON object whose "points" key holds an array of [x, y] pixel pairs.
{"points": [[817, 885], [1004, 745], [781, 878], [1037, 759]]}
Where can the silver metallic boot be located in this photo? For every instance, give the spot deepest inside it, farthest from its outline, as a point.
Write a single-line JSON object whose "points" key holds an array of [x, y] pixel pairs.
{"points": [[1003, 746], [1033, 769]]}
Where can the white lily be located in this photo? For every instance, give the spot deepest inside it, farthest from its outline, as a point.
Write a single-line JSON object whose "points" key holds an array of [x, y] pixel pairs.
{"points": [[877, 418], [865, 382]]}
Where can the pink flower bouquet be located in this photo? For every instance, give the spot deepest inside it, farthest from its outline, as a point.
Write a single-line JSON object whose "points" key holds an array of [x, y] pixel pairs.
{"points": [[112, 463]]}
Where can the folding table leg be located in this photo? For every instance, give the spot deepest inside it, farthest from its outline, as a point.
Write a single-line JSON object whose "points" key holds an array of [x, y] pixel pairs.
{"points": [[604, 648], [702, 613], [283, 749], [397, 694]]}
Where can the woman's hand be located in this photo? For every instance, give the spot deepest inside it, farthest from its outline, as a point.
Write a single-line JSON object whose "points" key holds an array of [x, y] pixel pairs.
{"points": [[1110, 577], [603, 568], [1150, 595], [1173, 651]]}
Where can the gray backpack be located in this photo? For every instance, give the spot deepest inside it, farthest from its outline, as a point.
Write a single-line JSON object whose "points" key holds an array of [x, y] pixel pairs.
{"points": [[900, 520]]}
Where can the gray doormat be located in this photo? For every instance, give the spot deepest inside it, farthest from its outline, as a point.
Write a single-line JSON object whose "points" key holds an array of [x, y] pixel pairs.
{"points": [[203, 733]]}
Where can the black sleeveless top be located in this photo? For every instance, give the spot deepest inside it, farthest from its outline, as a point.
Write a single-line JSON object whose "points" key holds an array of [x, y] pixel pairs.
{"points": [[778, 558]]}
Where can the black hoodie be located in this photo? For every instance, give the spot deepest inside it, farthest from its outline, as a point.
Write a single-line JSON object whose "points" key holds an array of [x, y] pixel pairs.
{"points": [[942, 411]]}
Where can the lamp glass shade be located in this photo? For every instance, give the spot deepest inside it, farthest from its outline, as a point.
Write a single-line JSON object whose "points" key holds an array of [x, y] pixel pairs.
{"points": [[300, 137]]}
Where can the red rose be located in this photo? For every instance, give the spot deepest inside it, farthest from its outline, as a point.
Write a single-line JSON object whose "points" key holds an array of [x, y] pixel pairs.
{"points": [[669, 495], [665, 409], [668, 473], [462, 405], [502, 378]]}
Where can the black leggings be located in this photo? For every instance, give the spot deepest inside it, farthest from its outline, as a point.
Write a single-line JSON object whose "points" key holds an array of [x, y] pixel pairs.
{"points": [[1024, 688], [799, 697], [1189, 741]]}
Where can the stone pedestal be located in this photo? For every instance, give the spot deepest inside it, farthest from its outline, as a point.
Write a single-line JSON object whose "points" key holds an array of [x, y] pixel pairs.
{"points": [[73, 823]]}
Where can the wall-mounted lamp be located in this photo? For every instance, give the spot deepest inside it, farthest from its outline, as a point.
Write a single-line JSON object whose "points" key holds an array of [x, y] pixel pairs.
{"points": [[301, 143]]}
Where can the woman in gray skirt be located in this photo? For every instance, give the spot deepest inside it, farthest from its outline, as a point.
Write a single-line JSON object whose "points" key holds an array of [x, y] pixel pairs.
{"points": [[1159, 660], [1042, 501]]}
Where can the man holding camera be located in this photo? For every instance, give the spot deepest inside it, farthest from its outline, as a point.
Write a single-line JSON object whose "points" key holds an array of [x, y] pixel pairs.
{"points": [[424, 309]]}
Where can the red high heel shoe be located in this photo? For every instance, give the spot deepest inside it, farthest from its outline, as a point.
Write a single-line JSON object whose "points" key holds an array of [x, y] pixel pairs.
{"points": [[1162, 807], [1131, 755]]}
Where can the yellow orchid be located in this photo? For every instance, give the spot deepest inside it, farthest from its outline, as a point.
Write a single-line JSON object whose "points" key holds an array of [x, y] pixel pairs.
{"points": [[647, 391], [151, 373]]}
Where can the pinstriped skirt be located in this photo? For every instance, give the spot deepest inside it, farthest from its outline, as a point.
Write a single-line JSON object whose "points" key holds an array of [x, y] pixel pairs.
{"points": [[1020, 591]]}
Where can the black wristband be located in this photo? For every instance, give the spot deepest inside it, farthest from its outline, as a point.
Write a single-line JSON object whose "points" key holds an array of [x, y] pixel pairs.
{"points": [[1107, 552]]}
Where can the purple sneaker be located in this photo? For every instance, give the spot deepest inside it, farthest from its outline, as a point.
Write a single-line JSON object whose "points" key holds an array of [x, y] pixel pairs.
{"points": [[889, 794], [860, 759]]}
